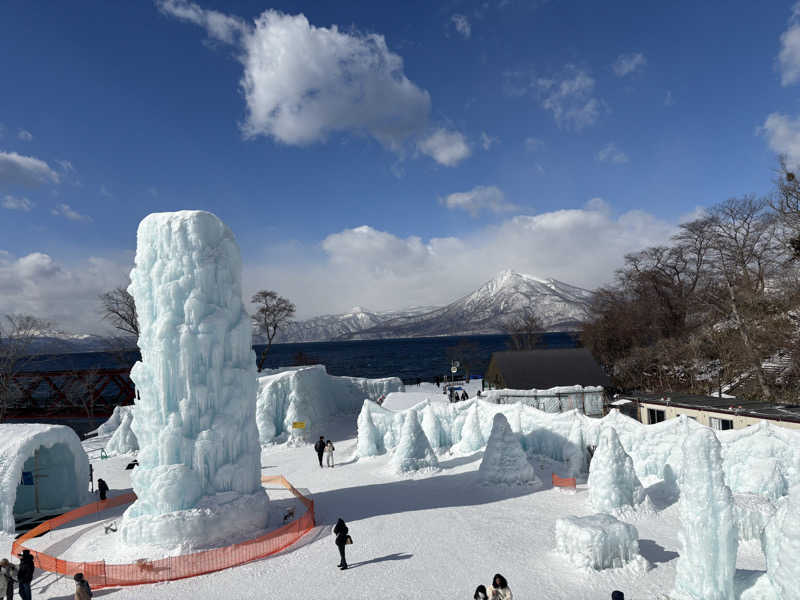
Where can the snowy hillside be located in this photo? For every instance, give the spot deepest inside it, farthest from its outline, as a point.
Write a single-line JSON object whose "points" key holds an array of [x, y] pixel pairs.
{"points": [[560, 306]]}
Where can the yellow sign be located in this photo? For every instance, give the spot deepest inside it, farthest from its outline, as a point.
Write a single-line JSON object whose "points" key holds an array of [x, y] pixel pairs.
{"points": [[299, 425]]}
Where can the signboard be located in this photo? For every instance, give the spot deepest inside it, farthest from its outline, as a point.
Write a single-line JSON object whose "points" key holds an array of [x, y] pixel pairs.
{"points": [[299, 425], [27, 478], [453, 369]]}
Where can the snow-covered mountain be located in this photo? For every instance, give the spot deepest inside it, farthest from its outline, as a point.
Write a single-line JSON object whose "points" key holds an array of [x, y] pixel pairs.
{"points": [[560, 306]]}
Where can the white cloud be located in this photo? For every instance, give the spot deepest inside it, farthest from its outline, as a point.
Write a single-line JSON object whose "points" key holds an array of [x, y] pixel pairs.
{"points": [[789, 55], [783, 136], [611, 154], [37, 284], [105, 192], [487, 141], [448, 148], [532, 144], [570, 98], [461, 23], [382, 271], [66, 211], [489, 198], [17, 203], [668, 101], [302, 82], [16, 169], [66, 166], [628, 63], [25, 136]]}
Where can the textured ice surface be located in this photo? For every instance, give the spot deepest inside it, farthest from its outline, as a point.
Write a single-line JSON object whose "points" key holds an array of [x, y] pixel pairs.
{"points": [[782, 546], [199, 476], [114, 421], [752, 513], [124, 440], [599, 542], [472, 438], [61, 458], [413, 452], [310, 395], [707, 562], [504, 461], [588, 399], [613, 484]]}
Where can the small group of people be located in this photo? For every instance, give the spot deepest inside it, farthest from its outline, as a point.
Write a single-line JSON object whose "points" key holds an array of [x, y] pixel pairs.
{"points": [[498, 590], [22, 575], [455, 396], [326, 448]]}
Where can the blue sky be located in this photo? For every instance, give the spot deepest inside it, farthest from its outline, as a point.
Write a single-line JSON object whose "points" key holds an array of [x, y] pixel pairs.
{"points": [[379, 154]]}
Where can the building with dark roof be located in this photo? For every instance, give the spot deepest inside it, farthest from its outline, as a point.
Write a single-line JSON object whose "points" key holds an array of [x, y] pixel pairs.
{"points": [[544, 369]]}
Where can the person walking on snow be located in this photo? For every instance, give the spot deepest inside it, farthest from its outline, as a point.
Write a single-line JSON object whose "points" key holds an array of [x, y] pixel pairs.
{"points": [[25, 574], [102, 487], [464, 395], [341, 531], [8, 576], [82, 589], [499, 589], [329, 453], [319, 447]]}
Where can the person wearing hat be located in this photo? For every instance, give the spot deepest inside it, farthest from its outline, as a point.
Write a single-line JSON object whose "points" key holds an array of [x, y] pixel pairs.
{"points": [[25, 574], [8, 575], [82, 589]]}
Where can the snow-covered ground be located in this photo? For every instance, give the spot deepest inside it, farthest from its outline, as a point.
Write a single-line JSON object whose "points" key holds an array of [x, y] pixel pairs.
{"points": [[414, 394], [437, 535]]}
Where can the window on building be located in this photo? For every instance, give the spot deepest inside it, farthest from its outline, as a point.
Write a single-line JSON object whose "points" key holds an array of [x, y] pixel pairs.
{"points": [[654, 415], [721, 424]]}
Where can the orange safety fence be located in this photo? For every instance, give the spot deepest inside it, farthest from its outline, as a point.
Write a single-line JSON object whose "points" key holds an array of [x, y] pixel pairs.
{"points": [[568, 482], [102, 574]]}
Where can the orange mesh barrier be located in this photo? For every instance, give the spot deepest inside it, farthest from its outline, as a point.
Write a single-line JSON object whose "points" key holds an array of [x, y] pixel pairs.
{"points": [[102, 574], [568, 482]]}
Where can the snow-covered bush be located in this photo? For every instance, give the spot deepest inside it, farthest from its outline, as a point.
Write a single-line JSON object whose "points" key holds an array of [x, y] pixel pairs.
{"points": [[504, 461], [414, 452], [599, 542], [708, 536], [613, 484]]}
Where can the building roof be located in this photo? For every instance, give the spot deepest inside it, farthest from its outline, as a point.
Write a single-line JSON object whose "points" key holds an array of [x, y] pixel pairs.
{"points": [[543, 369], [730, 406]]}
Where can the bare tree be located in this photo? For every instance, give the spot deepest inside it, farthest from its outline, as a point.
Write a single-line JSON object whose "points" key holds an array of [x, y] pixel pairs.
{"points": [[119, 308], [524, 330], [273, 313], [17, 334], [787, 205]]}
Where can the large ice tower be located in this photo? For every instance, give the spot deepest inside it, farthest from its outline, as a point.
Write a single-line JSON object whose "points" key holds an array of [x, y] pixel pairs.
{"points": [[199, 476]]}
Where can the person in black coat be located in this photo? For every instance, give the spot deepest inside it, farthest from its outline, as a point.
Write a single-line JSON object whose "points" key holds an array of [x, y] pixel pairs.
{"points": [[617, 595], [319, 447], [341, 531], [102, 487], [25, 574]]}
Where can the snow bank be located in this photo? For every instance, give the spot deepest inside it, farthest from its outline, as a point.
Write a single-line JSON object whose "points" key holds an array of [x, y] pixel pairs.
{"points": [[782, 546], [599, 542], [60, 456], [124, 440], [309, 394], [114, 421], [413, 452], [613, 484], [199, 476], [707, 562], [504, 461]]}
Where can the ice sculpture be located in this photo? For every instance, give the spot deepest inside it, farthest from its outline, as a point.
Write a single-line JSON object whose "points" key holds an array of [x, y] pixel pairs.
{"points": [[578, 458], [613, 484], [751, 512], [432, 428], [471, 436], [781, 545], [708, 536], [198, 480], [124, 440], [504, 461], [370, 442], [414, 452], [599, 542]]}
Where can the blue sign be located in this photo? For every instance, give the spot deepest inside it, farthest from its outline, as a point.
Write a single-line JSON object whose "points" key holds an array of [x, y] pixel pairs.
{"points": [[27, 478]]}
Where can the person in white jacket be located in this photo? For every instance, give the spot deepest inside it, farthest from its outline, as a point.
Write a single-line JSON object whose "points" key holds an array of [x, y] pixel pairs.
{"points": [[329, 453], [499, 589], [8, 576]]}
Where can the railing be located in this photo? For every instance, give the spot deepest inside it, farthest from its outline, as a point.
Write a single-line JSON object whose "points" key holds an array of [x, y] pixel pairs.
{"points": [[102, 574]]}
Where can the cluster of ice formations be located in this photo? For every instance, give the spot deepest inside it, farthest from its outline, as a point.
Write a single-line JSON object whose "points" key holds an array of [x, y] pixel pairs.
{"points": [[707, 562], [199, 476], [123, 441], [588, 399], [504, 461], [310, 395], [599, 542], [762, 459], [613, 484], [57, 452], [413, 452], [751, 513], [781, 544], [113, 422]]}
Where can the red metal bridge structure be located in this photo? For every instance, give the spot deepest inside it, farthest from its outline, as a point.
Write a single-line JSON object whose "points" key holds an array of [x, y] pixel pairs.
{"points": [[86, 393]]}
